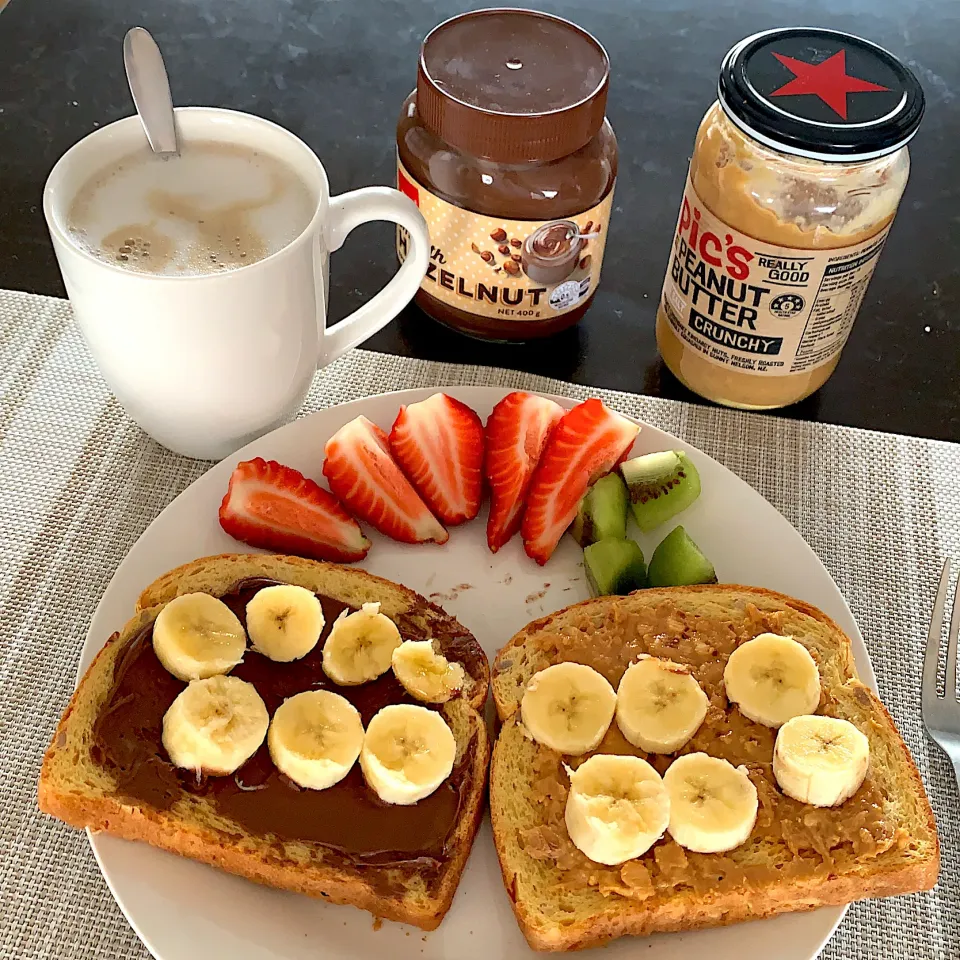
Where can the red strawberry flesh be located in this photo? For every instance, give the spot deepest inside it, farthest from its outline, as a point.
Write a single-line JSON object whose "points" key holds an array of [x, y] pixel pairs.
{"points": [[364, 475], [587, 443], [274, 507], [438, 443], [517, 432]]}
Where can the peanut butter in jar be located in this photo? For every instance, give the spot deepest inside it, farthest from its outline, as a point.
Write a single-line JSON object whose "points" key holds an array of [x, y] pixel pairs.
{"points": [[794, 182]]}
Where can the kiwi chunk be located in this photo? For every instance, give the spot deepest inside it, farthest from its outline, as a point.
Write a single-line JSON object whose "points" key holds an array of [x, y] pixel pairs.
{"points": [[660, 485], [614, 566], [679, 562], [602, 512]]}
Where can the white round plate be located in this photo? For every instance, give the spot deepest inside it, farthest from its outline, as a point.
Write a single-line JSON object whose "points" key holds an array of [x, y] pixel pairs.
{"points": [[184, 910]]}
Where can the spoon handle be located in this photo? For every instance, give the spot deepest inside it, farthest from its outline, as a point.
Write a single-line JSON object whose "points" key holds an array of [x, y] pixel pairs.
{"points": [[150, 88]]}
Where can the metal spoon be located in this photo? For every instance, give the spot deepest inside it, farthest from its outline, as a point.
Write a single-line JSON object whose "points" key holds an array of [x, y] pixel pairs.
{"points": [[150, 89]]}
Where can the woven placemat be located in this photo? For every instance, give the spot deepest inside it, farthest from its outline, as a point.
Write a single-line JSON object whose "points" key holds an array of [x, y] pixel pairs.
{"points": [[79, 482]]}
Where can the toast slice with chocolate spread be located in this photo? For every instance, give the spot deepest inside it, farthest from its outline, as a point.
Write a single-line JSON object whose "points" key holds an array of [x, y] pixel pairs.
{"points": [[106, 768], [882, 841]]}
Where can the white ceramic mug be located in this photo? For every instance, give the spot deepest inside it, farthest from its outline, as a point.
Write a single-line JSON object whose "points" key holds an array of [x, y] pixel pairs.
{"points": [[207, 363]]}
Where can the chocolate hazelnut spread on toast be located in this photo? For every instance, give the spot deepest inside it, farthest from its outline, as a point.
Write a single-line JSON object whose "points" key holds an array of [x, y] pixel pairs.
{"points": [[347, 818]]}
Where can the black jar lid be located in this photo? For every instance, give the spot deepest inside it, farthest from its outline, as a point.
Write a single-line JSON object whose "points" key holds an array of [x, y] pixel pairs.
{"points": [[821, 94]]}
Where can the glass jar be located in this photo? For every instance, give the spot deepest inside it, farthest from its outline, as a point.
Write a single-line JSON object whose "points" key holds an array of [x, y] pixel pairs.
{"points": [[785, 212], [505, 149]]}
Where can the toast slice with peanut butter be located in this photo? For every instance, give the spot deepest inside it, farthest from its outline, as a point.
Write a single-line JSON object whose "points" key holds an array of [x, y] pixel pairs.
{"points": [[881, 841], [107, 768]]}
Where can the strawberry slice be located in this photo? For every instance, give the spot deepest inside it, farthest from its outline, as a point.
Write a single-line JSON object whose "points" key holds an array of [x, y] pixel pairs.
{"points": [[517, 431], [276, 507], [438, 443], [363, 474], [586, 444]]}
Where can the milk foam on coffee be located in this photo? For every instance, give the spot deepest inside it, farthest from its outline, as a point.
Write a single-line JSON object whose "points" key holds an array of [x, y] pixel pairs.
{"points": [[216, 207]]}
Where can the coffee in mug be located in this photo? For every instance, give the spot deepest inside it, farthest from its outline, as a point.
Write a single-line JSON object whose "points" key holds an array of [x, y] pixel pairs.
{"points": [[215, 207], [210, 331]]}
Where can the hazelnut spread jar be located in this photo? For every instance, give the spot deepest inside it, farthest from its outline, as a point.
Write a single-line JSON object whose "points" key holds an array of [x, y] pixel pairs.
{"points": [[505, 148], [794, 182]]}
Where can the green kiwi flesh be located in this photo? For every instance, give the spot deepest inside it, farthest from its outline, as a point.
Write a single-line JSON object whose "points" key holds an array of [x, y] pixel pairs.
{"points": [[602, 513], [660, 485], [679, 562], [614, 566]]}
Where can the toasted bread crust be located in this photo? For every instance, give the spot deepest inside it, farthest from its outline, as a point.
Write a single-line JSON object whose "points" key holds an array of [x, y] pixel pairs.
{"points": [[615, 916], [180, 836], [721, 911], [64, 792]]}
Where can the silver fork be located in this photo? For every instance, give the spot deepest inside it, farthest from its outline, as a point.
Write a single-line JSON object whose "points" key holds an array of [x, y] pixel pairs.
{"points": [[941, 715]]}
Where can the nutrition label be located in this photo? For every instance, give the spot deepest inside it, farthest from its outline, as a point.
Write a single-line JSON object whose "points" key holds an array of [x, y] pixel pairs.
{"points": [[760, 308], [835, 307]]}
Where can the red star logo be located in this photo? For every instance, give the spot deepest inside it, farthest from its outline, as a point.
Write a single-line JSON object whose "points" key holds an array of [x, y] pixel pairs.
{"points": [[828, 80]]}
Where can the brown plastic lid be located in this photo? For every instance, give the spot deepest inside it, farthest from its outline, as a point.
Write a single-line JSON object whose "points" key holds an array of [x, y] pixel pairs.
{"points": [[512, 85]]}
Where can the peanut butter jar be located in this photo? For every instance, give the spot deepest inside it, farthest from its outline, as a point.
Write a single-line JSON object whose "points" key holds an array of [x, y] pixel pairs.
{"points": [[505, 148], [794, 182]]}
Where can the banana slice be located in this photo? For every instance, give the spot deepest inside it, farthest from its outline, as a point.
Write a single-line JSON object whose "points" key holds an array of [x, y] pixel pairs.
{"points": [[771, 679], [426, 674], [407, 753], [617, 808], [360, 646], [820, 760], [660, 705], [197, 636], [215, 725], [568, 707], [713, 804], [315, 738], [284, 622]]}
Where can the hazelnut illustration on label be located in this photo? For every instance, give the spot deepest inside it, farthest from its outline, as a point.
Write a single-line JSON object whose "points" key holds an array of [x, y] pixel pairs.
{"points": [[513, 269]]}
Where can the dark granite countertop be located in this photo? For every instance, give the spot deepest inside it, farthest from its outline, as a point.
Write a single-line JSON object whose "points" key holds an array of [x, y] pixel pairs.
{"points": [[336, 71]]}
